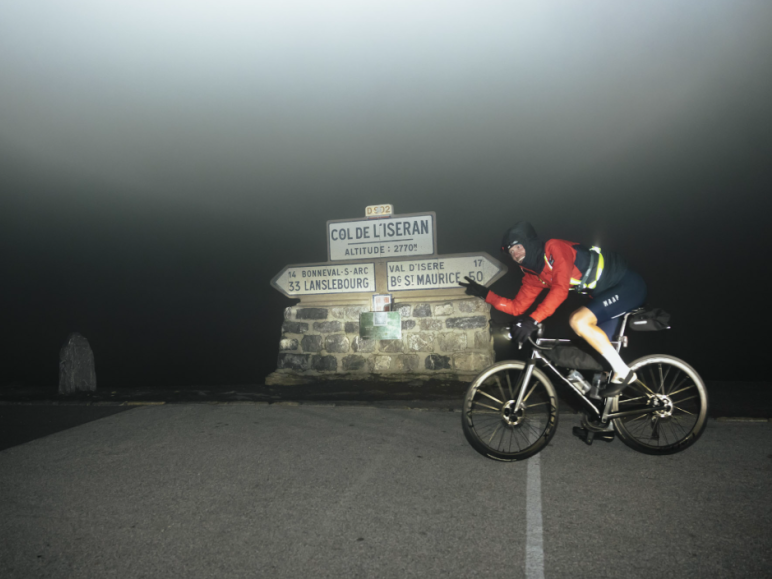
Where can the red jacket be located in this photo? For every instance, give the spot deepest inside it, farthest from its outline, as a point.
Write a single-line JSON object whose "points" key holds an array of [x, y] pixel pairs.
{"points": [[557, 275]]}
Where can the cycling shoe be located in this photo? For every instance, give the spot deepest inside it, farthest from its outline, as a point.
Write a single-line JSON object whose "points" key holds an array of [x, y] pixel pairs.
{"points": [[617, 384]]}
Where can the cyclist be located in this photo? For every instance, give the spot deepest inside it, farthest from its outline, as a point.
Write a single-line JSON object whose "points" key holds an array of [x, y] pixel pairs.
{"points": [[561, 266]]}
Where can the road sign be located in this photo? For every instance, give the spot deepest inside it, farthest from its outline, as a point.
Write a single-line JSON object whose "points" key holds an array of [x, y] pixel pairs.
{"points": [[379, 211], [398, 236], [443, 271], [325, 278]]}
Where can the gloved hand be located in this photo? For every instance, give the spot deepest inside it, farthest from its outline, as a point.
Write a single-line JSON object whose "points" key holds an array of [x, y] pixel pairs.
{"points": [[523, 328], [473, 288]]}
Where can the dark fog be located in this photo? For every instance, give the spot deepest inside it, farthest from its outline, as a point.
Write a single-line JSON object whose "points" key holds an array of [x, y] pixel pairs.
{"points": [[161, 161]]}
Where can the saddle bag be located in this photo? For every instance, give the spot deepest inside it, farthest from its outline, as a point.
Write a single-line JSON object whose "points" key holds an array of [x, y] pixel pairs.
{"points": [[652, 320]]}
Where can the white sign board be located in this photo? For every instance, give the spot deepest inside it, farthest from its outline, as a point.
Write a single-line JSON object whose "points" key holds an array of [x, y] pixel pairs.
{"points": [[401, 235], [325, 278], [443, 272]]}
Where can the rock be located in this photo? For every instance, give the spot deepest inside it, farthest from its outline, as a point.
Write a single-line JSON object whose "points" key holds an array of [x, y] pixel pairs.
{"points": [[352, 312], [311, 314], [325, 363], [294, 361], [294, 328], [403, 310], [408, 324], [407, 363], [311, 343], [338, 313], [354, 363], [471, 306], [328, 327], [452, 341], [422, 311], [443, 309], [288, 344], [429, 324], [482, 340], [76, 366], [392, 346], [363, 345], [421, 342], [352, 327], [337, 343], [437, 362], [382, 363], [466, 323]]}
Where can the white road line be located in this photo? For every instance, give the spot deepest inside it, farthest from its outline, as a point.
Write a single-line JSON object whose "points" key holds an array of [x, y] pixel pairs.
{"points": [[534, 547]]}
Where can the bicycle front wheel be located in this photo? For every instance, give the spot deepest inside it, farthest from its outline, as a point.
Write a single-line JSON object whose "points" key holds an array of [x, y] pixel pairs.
{"points": [[495, 427], [681, 394]]}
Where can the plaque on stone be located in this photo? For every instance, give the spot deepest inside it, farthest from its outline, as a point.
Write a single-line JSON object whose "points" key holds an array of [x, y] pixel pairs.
{"points": [[380, 325], [76, 366]]}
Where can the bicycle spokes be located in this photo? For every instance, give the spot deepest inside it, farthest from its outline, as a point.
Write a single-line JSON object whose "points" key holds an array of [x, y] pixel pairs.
{"points": [[494, 422], [672, 402]]}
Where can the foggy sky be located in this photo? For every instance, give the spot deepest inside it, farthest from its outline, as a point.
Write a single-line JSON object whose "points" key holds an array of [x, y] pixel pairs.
{"points": [[161, 161]]}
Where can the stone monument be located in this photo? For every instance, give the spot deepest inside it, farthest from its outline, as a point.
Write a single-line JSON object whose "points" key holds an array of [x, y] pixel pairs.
{"points": [[76, 366], [428, 329]]}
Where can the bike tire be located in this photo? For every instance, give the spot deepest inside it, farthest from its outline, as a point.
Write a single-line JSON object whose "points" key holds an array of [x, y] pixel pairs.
{"points": [[671, 430], [509, 437]]}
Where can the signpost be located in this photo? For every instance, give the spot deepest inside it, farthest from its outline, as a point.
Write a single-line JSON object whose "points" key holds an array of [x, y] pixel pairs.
{"points": [[325, 278], [397, 236], [443, 271], [377, 255]]}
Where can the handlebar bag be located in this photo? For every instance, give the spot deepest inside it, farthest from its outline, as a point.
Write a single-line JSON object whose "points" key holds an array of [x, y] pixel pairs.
{"points": [[652, 320]]}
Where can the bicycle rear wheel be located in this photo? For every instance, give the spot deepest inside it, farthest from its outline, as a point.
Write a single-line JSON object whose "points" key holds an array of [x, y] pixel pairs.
{"points": [[492, 424], [682, 396]]}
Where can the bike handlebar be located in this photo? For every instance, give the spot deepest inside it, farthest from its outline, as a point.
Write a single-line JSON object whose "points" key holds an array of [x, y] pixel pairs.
{"points": [[539, 332]]}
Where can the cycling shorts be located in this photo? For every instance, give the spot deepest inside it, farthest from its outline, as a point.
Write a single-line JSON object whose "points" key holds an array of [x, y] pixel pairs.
{"points": [[612, 303]]}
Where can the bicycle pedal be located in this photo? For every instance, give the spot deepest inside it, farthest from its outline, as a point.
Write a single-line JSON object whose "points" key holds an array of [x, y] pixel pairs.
{"points": [[583, 434]]}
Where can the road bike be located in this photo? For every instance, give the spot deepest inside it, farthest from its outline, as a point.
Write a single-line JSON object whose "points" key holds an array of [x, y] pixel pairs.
{"points": [[510, 409]]}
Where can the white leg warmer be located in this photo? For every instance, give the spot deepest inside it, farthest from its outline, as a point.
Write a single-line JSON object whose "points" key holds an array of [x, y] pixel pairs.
{"points": [[613, 358]]}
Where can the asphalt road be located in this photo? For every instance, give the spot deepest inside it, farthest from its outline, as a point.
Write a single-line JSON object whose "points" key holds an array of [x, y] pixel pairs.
{"points": [[249, 490]]}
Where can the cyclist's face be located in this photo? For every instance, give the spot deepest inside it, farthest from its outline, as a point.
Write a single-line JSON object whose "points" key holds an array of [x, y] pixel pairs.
{"points": [[517, 252]]}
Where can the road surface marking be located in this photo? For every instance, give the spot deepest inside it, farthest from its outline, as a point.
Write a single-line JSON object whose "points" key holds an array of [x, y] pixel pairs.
{"points": [[534, 548]]}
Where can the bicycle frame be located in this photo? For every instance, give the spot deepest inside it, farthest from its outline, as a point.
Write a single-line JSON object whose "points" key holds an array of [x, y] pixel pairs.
{"points": [[603, 416]]}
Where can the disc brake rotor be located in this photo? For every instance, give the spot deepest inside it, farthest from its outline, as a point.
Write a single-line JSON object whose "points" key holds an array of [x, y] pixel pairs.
{"points": [[665, 404]]}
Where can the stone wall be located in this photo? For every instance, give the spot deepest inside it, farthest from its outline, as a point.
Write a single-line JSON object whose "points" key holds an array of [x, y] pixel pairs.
{"points": [[438, 339]]}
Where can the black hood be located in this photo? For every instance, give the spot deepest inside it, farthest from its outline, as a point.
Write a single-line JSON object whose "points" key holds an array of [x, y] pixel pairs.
{"points": [[524, 234]]}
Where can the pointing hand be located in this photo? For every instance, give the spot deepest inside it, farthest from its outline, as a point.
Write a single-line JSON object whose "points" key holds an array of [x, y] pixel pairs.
{"points": [[473, 288]]}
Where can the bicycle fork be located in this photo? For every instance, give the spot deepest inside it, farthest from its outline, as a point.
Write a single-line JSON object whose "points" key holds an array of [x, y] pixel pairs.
{"points": [[522, 384]]}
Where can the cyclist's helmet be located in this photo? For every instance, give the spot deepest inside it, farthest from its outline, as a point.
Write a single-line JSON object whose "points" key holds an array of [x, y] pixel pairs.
{"points": [[519, 234], [524, 234]]}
